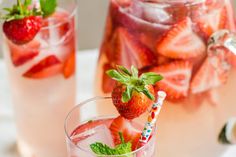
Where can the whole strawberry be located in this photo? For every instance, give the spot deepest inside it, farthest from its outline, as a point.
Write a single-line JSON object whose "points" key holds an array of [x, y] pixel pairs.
{"points": [[133, 95], [22, 22]]}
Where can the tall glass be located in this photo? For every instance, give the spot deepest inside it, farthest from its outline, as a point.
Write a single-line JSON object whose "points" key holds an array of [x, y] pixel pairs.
{"points": [[170, 37], [93, 126], [43, 84]]}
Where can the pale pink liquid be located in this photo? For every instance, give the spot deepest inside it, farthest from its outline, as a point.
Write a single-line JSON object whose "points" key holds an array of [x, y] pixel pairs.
{"points": [[41, 104], [187, 128], [83, 135]]}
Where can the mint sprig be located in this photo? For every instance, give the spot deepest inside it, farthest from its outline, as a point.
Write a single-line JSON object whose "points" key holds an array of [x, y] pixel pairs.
{"points": [[133, 82], [103, 149], [48, 7]]}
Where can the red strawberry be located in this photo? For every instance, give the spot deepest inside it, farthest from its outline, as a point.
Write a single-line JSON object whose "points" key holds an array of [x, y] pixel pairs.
{"points": [[22, 54], [132, 95], [128, 51], [213, 72], [21, 31], [137, 105], [176, 80], [23, 21], [181, 42], [130, 133], [212, 20], [69, 66], [107, 83], [47, 67]]}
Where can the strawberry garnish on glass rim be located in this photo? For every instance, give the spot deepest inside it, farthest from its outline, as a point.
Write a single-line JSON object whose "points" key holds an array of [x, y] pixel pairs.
{"points": [[24, 20], [133, 95]]}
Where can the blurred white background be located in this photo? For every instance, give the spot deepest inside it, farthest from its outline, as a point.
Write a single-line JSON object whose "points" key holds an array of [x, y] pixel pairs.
{"points": [[91, 20]]}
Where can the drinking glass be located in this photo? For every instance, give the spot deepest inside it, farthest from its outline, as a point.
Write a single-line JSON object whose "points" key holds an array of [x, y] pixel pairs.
{"points": [[43, 84], [170, 37], [84, 125]]}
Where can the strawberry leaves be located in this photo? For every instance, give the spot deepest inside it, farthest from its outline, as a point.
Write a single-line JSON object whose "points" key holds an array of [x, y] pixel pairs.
{"points": [[27, 8], [133, 82], [103, 149], [48, 7], [21, 10]]}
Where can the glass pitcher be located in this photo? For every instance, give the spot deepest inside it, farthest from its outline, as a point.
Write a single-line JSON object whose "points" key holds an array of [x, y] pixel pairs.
{"points": [[171, 37]]}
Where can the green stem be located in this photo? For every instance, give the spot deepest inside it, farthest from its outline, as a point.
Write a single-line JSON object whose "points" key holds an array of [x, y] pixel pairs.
{"points": [[20, 5]]}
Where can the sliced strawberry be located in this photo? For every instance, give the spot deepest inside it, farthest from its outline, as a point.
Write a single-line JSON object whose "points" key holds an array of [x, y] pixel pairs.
{"points": [[22, 54], [212, 20], [233, 60], [177, 76], [129, 132], [47, 67], [181, 42], [62, 24], [212, 73], [128, 51], [107, 83], [69, 66]]}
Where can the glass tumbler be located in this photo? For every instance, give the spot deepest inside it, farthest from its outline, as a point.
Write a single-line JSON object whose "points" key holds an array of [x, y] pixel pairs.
{"points": [[84, 125], [43, 84]]}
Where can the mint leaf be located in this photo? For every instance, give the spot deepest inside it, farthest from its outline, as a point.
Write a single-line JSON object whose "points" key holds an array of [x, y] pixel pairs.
{"points": [[151, 78], [103, 149], [48, 7]]}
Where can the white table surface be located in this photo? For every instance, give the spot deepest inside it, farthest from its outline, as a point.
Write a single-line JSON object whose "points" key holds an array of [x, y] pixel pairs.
{"points": [[85, 73]]}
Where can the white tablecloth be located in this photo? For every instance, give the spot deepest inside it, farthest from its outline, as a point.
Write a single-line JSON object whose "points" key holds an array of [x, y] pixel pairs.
{"points": [[86, 63]]}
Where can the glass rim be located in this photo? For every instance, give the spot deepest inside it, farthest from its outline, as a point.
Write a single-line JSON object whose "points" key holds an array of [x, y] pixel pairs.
{"points": [[71, 15], [78, 147]]}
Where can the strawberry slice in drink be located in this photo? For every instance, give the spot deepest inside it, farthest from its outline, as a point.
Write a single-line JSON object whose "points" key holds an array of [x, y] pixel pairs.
{"points": [[63, 24], [177, 76], [130, 133], [69, 66], [128, 51], [213, 20], [181, 42], [47, 67], [213, 72], [21, 54]]}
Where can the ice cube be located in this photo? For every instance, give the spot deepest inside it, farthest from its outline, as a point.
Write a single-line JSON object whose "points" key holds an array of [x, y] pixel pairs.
{"points": [[156, 13], [98, 134], [150, 11]]}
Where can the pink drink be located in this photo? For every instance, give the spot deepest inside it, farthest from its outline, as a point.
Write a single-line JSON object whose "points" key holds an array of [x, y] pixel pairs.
{"points": [[42, 77], [142, 34], [170, 38], [81, 134]]}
